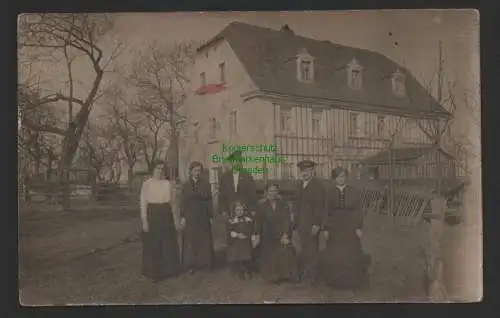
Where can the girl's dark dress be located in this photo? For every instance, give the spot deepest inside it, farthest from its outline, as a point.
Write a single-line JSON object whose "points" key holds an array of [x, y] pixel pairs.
{"points": [[343, 263], [197, 209], [276, 261], [240, 251]]}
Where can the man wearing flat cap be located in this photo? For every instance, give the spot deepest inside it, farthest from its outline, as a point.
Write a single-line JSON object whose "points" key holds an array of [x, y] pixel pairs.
{"points": [[236, 185], [310, 208]]}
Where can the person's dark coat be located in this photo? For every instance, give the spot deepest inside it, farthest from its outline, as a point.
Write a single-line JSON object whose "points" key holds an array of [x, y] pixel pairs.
{"points": [[240, 249], [309, 207], [246, 191], [197, 209], [343, 263], [275, 261]]}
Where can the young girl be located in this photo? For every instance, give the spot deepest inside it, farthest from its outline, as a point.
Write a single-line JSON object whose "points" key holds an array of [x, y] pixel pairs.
{"points": [[241, 229]]}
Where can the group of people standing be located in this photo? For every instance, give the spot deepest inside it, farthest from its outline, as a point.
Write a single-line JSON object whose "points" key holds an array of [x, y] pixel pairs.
{"points": [[260, 232]]}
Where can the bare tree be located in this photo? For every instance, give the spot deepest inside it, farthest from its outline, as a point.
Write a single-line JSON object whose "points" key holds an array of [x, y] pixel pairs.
{"points": [[38, 148], [67, 35], [99, 149], [470, 140], [436, 129], [393, 134], [160, 73], [152, 130], [127, 128]]}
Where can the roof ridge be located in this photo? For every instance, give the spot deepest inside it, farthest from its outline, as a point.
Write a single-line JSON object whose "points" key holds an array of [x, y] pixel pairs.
{"points": [[307, 38]]}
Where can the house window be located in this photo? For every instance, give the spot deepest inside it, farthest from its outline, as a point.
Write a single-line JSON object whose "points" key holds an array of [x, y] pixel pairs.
{"points": [[355, 72], [222, 69], [367, 125], [196, 130], [420, 171], [355, 79], [316, 122], [305, 68], [285, 121], [380, 126], [232, 125], [407, 132], [353, 124], [212, 130], [214, 181], [203, 79], [287, 171], [398, 84]]}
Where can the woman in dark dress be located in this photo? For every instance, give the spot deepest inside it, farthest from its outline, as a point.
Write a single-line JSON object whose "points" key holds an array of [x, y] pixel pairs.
{"points": [[276, 256], [196, 211], [160, 252], [343, 264]]}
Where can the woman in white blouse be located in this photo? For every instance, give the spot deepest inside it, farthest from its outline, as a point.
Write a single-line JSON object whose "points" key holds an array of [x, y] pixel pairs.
{"points": [[160, 253]]}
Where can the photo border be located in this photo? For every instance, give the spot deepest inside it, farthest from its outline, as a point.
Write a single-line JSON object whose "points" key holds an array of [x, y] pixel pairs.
{"points": [[489, 90]]}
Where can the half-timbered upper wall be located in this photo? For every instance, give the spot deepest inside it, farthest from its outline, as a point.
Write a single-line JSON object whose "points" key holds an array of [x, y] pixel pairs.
{"points": [[332, 136], [347, 128]]}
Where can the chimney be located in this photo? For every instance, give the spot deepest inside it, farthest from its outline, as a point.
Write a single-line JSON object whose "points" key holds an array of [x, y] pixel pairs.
{"points": [[286, 28]]}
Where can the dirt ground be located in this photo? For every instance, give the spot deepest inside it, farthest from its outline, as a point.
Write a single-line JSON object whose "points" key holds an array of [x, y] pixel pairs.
{"points": [[93, 257]]}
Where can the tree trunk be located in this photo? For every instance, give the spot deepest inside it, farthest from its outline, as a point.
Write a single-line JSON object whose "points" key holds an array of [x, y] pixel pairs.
{"points": [[130, 176], [438, 169], [70, 145], [173, 154]]}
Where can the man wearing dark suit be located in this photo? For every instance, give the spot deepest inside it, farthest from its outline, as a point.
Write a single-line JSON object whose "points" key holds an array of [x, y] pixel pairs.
{"points": [[309, 213], [236, 184]]}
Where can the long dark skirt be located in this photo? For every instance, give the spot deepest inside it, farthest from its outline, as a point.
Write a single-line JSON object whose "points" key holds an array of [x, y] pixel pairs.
{"points": [[160, 250], [308, 257], [343, 263], [197, 245], [277, 262]]}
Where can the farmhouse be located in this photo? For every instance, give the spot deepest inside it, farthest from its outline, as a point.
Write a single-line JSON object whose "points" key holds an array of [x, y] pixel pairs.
{"points": [[334, 104]]}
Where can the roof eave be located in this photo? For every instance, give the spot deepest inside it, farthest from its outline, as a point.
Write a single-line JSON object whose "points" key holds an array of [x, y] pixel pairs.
{"points": [[264, 93], [211, 42]]}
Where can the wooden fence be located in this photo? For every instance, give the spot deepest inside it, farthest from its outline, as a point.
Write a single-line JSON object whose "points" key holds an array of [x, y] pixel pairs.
{"points": [[49, 195]]}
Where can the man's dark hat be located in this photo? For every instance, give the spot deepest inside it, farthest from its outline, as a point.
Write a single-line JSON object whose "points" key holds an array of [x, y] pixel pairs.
{"points": [[234, 156], [195, 164], [305, 164], [337, 171]]}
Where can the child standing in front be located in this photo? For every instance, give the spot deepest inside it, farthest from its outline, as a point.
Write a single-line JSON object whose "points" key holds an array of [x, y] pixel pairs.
{"points": [[242, 239]]}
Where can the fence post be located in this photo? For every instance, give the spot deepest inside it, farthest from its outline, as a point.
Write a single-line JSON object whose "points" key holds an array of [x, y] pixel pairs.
{"points": [[432, 250]]}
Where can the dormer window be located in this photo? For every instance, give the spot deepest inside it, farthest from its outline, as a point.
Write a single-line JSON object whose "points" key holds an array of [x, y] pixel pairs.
{"points": [[355, 75], [305, 70], [398, 84], [305, 67]]}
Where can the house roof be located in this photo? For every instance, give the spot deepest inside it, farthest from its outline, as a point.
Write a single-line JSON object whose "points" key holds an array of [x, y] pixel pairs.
{"points": [[402, 154], [269, 57]]}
